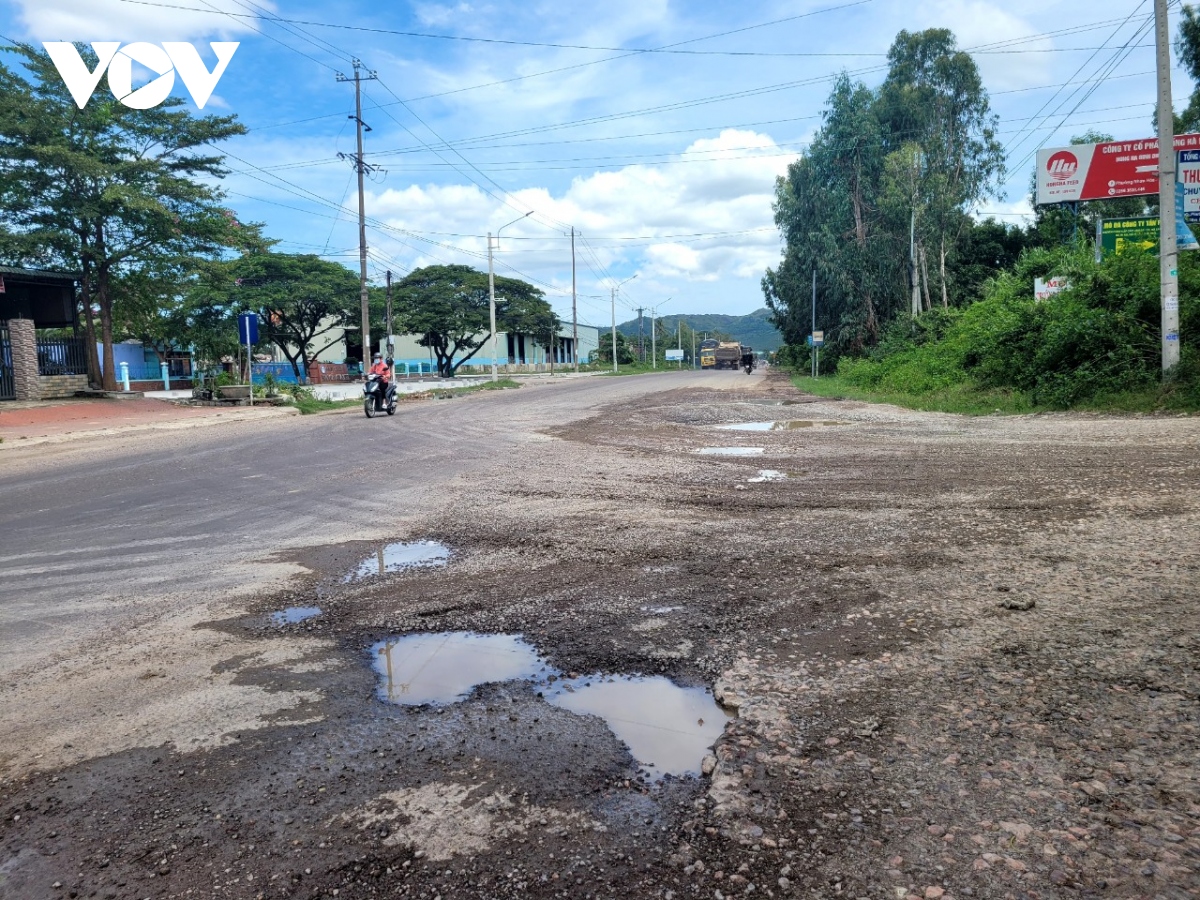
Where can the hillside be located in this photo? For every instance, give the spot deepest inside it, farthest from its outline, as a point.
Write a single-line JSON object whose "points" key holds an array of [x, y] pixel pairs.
{"points": [[753, 329]]}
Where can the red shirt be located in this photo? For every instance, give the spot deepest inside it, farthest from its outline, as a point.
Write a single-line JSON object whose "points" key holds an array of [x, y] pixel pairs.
{"points": [[383, 370]]}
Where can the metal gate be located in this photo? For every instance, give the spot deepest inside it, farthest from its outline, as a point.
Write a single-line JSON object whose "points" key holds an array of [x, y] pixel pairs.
{"points": [[8, 389]]}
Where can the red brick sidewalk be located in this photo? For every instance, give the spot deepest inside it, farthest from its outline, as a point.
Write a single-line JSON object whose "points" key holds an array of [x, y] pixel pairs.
{"points": [[25, 423]]}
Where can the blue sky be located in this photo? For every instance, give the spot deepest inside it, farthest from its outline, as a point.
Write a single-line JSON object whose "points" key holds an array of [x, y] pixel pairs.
{"points": [[663, 161]]}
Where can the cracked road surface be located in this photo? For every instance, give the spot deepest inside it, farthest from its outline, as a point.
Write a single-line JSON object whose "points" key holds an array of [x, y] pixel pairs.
{"points": [[959, 655]]}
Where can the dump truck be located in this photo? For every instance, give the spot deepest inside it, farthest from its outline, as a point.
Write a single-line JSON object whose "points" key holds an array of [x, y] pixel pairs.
{"points": [[708, 349], [728, 355]]}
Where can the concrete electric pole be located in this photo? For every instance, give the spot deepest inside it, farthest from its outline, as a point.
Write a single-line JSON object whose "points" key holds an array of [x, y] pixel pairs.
{"points": [[492, 284], [1168, 257], [360, 167]]}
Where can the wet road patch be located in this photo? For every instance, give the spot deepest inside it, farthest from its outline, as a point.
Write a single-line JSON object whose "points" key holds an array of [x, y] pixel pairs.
{"points": [[730, 451], [768, 475], [421, 669], [789, 425], [400, 556], [667, 728], [294, 614]]}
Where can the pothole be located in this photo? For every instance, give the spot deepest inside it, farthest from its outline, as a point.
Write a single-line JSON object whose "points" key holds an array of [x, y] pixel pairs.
{"points": [[667, 728], [444, 668], [768, 475], [789, 425], [294, 614], [400, 556], [730, 451]]}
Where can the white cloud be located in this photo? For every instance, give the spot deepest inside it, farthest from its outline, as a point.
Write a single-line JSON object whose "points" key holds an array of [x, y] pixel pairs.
{"points": [[117, 20], [700, 217]]}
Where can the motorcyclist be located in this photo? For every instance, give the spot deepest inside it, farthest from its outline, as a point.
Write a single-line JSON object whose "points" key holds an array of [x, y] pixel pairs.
{"points": [[383, 369], [748, 361]]}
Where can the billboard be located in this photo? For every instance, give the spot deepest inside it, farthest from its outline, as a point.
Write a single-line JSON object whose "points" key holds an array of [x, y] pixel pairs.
{"points": [[1102, 171], [1139, 235]]}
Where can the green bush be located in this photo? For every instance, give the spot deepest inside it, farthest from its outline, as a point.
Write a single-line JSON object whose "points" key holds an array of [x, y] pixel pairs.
{"points": [[1096, 341]]}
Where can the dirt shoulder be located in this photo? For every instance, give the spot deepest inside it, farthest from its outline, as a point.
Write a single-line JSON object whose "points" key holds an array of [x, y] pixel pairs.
{"points": [[962, 653], [55, 421]]}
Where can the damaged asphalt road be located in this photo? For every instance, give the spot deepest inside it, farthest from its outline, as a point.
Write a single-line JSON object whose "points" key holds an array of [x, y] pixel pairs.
{"points": [[959, 655]]}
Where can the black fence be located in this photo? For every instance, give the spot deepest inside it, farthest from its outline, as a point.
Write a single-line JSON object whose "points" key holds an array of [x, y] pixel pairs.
{"points": [[8, 390], [61, 356]]}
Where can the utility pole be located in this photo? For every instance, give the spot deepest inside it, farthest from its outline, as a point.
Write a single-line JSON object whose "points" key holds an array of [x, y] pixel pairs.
{"points": [[912, 263], [641, 339], [813, 335], [614, 319], [360, 167], [391, 344], [1168, 257], [574, 308]]}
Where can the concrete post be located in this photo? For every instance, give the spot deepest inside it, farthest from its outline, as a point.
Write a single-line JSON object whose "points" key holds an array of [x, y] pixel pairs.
{"points": [[166, 376], [23, 338], [125, 376]]}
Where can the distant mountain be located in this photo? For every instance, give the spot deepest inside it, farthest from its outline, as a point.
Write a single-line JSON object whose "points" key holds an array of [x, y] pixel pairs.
{"points": [[754, 329]]}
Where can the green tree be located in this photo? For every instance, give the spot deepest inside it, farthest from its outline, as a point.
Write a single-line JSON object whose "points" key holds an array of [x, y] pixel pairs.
{"points": [[107, 189], [448, 307], [1187, 48], [304, 303], [604, 353], [933, 97]]}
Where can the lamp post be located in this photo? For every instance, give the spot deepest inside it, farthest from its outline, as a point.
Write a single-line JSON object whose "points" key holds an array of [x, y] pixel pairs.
{"points": [[492, 284], [614, 318]]}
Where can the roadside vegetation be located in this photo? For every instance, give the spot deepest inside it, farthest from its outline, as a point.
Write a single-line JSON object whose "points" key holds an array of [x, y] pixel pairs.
{"points": [[303, 399], [924, 305], [1095, 346]]}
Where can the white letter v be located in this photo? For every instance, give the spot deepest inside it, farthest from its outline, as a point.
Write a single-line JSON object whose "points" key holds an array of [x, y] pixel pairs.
{"points": [[75, 75], [199, 81]]}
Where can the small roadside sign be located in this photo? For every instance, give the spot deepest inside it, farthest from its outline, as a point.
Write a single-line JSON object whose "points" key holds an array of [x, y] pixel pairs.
{"points": [[248, 328], [818, 339], [674, 356]]}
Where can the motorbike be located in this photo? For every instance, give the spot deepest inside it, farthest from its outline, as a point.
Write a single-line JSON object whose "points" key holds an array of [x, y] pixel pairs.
{"points": [[748, 365], [377, 399]]}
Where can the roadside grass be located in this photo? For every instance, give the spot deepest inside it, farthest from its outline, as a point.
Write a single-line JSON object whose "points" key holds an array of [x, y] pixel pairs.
{"points": [[633, 369], [311, 405], [966, 398]]}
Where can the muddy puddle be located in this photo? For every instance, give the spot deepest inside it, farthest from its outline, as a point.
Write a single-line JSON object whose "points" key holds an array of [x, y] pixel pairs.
{"points": [[788, 425], [730, 451], [667, 728], [294, 614], [399, 557], [768, 475], [443, 668]]}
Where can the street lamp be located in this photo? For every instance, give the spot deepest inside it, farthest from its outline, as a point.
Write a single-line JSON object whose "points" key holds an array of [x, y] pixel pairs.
{"points": [[492, 284], [614, 319]]}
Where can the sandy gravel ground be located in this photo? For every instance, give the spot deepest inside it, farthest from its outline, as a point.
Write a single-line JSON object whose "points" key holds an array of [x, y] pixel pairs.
{"points": [[962, 654]]}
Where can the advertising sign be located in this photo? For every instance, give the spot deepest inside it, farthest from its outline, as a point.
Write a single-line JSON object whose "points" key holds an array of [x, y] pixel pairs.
{"points": [[1138, 235], [1189, 177], [248, 328], [674, 356], [1103, 171], [1044, 288]]}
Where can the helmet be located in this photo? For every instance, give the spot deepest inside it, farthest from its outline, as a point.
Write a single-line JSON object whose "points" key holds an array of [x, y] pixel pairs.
{"points": [[377, 357]]}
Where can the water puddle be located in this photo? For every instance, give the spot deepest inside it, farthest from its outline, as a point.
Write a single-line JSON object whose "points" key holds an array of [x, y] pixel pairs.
{"points": [[777, 426], [768, 475], [444, 668], [401, 556], [730, 451], [294, 614], [668, 729]]}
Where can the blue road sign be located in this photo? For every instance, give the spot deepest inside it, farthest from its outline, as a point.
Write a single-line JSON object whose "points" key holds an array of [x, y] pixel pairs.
{"points": [[248, 328]]}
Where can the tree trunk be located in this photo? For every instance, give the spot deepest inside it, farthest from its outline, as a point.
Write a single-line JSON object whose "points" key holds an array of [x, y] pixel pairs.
{"points": [[95, 379], [925, 276], [942, 263], [106, 332]]}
